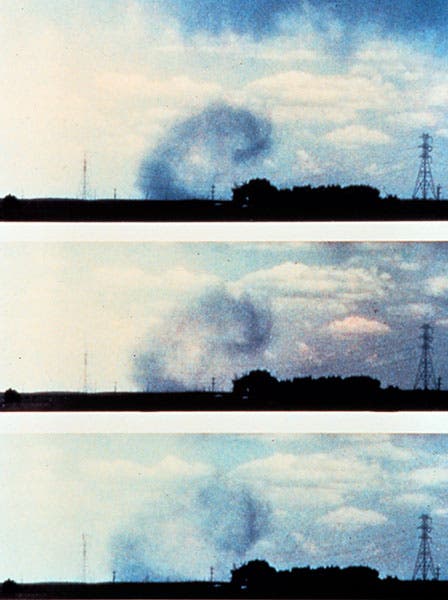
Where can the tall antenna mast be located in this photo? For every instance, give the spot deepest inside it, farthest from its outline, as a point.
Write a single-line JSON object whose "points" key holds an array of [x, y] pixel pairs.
{"points": [[84, 558], [424, 185], [424, 562], [85, 383], [84, 177], [425, 378]]}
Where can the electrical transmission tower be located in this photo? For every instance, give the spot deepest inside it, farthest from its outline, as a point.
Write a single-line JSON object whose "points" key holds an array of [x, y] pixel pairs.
{"points": [[425, 378], [424, 185], [424, 562]]}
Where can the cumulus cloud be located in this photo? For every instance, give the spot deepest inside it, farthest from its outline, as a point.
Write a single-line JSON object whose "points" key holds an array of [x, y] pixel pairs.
{"points": [[414, 499], [355, 325], [437, 286], [430, 476], [351, 92], [296, 279], [349, 517], [318, 469], [357, 135]]}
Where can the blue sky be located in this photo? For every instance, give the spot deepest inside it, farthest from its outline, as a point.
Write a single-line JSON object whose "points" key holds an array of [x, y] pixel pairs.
{"points": [[171, 506], [172, 315], [346, 87]]}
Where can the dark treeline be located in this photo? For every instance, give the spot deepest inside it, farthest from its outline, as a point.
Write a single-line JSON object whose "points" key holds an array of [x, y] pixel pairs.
{"points": [[258, 390], [256, 199], [255, 579], [258, 576]]}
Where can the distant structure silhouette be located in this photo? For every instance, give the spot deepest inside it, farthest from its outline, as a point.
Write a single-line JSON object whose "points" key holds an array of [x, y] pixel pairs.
{"points": [[424, 186], [424, 563], [425, 378]]}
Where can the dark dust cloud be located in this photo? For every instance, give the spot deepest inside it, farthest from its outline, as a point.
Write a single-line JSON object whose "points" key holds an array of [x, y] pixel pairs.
{"points": [[217, 146], [233, 518], [215, 332], [185, 531]]}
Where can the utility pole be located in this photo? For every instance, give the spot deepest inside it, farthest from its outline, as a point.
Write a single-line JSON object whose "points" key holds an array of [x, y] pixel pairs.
{"points": [[424, 186], [424, 562], [212, 573], [213, 384], [213, 192], [425, 378]]}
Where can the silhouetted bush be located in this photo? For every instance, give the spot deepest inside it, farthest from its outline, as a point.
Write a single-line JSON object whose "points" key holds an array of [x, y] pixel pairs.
{"points": [[9, 588], [254, 194], [254, 575], [11, 396]]}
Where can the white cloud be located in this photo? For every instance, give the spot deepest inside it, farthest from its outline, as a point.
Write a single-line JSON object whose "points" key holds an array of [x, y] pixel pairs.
{"points": [[313, 89], [357, 135], [354, 325], [384, 447], [414, 499], [320, 468], [437, 286], [298, 279], [349, 517], [429, 476], [419, 309], [308, 163], [415, 119]]}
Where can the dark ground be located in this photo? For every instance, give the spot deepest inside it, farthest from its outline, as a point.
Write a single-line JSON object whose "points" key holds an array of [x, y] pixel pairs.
{"points": [[385, 589], [378, 400], [205, 210]]}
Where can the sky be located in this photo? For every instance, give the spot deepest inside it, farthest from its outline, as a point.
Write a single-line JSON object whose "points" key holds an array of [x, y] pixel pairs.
{"points": [[168, 507], [162, 316], [166, 99]]}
